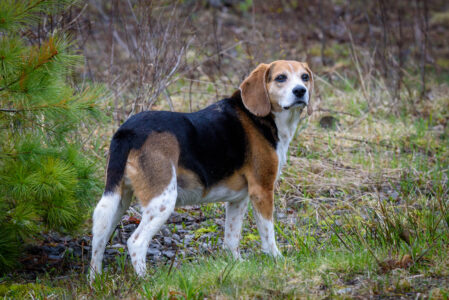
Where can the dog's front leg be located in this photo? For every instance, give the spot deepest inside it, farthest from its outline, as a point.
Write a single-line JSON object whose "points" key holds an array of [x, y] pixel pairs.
{"points": [[262, 200]]}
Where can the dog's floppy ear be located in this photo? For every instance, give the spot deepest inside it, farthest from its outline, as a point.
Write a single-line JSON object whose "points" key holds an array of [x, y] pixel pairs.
{"points": [[309, 105], [254, 91]]}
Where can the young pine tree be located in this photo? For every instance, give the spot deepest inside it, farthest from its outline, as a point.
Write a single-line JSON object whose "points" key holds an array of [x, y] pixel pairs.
{"points": [[46, 179]]}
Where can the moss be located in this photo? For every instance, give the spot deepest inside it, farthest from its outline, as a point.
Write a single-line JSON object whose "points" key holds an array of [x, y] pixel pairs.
{"points": [[26, 290]]}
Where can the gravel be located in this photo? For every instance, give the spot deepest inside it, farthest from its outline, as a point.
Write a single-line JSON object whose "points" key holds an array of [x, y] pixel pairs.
{"points": [[175, 239]]}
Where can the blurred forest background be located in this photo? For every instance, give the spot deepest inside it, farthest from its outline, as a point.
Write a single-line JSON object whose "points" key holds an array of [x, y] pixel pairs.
{"points": [[210, 46], [368, 170]]}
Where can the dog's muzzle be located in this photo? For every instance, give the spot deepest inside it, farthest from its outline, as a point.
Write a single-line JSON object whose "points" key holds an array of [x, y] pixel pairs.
{"points": [[301, 103], [300, 93]]}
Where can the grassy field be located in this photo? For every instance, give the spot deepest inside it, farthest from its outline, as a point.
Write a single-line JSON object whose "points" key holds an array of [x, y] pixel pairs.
{"points": [[362, 211], [362, 206]]}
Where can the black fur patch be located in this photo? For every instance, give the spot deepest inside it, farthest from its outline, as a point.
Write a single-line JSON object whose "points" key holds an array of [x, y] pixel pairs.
{"points": [[212, 141]]}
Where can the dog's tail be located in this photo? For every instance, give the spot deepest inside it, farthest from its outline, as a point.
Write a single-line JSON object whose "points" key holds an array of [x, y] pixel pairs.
{"points": [[118, 156]]}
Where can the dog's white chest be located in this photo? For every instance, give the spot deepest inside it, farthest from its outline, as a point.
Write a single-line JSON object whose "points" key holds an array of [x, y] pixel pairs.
{"points": [[216, 194], [286, 123]]}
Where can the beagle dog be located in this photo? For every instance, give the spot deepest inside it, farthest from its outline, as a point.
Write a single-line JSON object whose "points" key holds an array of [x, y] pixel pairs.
{"points": [[231, 151]]}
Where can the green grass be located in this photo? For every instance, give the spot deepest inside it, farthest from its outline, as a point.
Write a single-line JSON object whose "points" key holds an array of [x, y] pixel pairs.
{"points": [[367, 208]]}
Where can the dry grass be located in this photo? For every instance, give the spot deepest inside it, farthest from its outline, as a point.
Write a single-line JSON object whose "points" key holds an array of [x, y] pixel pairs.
{"points": [[362, 208]]}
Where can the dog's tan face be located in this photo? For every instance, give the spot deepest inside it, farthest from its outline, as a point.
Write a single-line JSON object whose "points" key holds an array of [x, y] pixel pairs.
{"points": [[281, 85]]}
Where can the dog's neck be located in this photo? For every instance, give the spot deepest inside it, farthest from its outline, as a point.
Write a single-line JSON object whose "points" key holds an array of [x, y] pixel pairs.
{"points": [[286, 122]]}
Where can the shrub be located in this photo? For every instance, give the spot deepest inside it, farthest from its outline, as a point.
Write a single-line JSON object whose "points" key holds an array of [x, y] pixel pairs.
{"points": [[46, 177]]}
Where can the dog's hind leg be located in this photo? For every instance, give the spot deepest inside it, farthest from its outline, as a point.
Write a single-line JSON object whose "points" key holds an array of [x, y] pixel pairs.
{"points": [[107, 213], [235, 212], [154, 215]]}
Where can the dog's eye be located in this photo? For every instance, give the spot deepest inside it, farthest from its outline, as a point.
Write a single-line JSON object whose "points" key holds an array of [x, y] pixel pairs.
{"points": [[281, 78], [305, 77]]}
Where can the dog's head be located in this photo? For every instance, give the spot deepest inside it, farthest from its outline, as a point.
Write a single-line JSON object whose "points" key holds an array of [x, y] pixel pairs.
{"points": [[281, 85]]}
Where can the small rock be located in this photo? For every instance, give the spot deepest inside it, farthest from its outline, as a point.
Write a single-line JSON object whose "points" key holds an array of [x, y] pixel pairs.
{"points": [[59, 249], [67, 238], [329, 122], [168, 253], [54, 257], [280, 215], [54, 237], [220, 222], [344, 291], [112, 252], [153, 251], [175, 218], [438, 128], [165, 231], [50, 250], [130, 227], [85, 239], [167, 240], [188, 238]]}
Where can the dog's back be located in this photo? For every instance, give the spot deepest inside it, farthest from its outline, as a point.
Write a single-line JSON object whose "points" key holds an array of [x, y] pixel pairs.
{"points": [[211, 142]]}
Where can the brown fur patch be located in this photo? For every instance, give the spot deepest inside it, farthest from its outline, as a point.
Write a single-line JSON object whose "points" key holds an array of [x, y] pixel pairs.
{"points": [[260, 169], [236, 181], [187, 179], [150, 167], [254, 91]]}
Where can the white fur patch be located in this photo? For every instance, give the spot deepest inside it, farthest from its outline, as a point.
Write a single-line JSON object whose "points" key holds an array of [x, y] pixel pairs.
{"points": [[106, 215], [286, 123], [266, 231], [235, 212], [216, 194], [154, 215]]}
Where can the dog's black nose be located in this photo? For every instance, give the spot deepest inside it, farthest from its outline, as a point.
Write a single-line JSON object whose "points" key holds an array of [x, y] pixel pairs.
{"points": [[299, 91]]}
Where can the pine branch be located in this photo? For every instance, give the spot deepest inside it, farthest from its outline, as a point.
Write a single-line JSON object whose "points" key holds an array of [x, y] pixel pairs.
{"points": [[62, 105], [36, 108], [31, 7], [53, 52]]}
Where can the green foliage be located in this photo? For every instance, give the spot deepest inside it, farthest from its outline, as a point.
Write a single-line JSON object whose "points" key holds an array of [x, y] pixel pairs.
{"points": [[47, 178], [14, 14], [28, 290]]}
